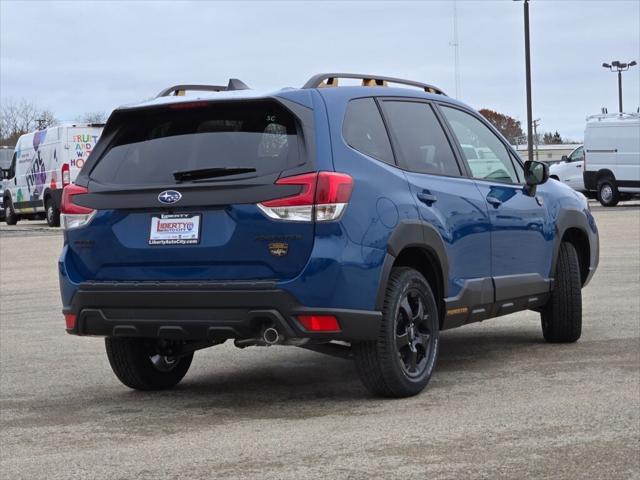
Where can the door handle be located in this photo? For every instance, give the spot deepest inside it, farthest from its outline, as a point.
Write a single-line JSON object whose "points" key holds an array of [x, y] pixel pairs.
{"points": [[578, 166], [496, 202], [427, 198]]}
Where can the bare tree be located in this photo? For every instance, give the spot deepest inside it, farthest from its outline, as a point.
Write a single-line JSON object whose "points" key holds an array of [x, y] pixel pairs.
{"points": [[18, 118], [93, 117]]}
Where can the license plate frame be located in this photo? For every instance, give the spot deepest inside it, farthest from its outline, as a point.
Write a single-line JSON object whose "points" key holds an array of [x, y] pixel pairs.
{"points": [[175, 229]]}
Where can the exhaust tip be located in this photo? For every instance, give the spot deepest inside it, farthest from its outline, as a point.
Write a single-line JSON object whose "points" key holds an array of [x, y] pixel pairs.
{"points": [[270, 336]]}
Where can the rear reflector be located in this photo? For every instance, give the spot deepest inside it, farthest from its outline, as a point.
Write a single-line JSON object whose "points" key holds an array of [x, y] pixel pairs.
{"points": [[323, 197], [70, 320], [319, 323]]}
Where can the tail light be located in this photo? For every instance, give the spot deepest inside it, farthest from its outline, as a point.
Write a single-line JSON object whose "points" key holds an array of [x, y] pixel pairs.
{"points": [[323, 198], [66, 175], [73, 215]]}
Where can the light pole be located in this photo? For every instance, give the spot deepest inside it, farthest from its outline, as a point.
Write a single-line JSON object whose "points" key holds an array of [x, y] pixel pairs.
{"points": [[617, 66], [527, 59], [536, 124]]}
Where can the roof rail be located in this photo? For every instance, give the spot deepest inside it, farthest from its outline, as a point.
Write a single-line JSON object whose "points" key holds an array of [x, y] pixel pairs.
{"points": [[180, 90], [331, 80], [607, 116]]}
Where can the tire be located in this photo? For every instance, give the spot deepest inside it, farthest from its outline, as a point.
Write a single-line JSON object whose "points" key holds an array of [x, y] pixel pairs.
{"points": [[10, 216], [400, 362], [608, 194], [562, 316], [130, 360], [52, 214]]}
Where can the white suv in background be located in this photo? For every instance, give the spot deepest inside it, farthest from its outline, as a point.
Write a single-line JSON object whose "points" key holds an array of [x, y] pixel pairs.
{"points": [[569, 170], [612, 156]]}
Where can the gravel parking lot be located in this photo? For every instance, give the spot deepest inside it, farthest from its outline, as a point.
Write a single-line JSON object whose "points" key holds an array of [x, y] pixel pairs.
{"points": [[502, 402]]}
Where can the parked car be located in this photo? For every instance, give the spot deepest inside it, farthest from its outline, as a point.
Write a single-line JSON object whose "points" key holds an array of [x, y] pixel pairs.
{"points": [[612, 157], [569, 169], [42, 164], [345, 220]]}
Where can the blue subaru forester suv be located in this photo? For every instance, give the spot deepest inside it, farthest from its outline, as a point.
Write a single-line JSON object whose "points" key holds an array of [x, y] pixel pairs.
{"points": [[357, 221]]}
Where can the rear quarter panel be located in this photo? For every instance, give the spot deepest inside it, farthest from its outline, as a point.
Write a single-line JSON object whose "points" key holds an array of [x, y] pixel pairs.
{"points": [[346, 263]]}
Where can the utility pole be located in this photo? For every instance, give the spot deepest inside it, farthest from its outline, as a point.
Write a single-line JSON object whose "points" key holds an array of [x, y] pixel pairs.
{"points": [[455, 44]]}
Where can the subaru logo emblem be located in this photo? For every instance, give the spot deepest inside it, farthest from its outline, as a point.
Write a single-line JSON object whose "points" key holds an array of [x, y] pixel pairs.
{"points": [[169, 196]]}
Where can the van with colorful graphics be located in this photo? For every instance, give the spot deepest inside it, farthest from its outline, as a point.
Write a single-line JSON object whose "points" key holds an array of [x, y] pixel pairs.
{"points": [[43, 163]]}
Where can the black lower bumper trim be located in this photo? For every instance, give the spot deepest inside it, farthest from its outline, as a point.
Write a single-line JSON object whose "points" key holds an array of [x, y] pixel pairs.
{"points": [[184, 313]]}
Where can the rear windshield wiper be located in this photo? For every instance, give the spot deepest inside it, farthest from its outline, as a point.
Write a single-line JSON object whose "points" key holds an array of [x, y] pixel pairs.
{"points": [[204, 173]]}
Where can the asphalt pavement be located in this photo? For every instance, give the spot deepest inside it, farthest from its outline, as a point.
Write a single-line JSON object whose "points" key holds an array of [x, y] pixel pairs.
{"points": [[502, 403]]}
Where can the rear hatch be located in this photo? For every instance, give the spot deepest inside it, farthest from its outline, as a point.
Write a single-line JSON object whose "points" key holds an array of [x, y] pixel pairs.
{"points": [[176, 188]]}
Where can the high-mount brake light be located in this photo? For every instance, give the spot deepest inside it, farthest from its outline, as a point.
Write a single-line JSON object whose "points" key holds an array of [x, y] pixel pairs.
{"points": [[323, 198], [73, 215], [187, 105], [66, 175]]}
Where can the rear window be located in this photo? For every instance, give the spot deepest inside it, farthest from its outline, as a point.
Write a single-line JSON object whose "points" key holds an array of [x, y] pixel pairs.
{"points": [[422, 144], [152, 144], [363, 130]]}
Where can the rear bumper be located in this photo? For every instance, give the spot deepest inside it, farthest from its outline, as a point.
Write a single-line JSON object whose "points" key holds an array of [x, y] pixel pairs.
{"points": [[196, 311]]}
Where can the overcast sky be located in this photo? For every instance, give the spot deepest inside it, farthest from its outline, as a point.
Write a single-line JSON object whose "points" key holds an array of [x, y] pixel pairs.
{"points": [[74, 57]]}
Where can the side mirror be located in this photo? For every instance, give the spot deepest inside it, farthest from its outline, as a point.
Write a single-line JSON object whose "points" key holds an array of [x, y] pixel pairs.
{"points": [[535, 173], [564, 158]]}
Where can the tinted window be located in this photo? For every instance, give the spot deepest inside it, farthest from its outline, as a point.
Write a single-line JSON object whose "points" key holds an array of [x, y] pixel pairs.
{"points": [[152, 144], [419, 138], [486, 155], [363, 130]]}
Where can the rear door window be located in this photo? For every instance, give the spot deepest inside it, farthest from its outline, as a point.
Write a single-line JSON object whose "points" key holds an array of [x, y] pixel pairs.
{"points": [[364, 130], [419, 139], [152, 144]]}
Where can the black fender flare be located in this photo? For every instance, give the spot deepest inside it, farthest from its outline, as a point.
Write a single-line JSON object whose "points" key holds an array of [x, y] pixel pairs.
{"points": [[605, 173], [413, 233], [575, 219]]}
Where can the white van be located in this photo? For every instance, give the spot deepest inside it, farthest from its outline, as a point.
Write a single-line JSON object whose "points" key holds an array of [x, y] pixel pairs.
{"points": [[42, 164], [612, 156]]}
